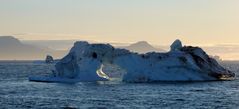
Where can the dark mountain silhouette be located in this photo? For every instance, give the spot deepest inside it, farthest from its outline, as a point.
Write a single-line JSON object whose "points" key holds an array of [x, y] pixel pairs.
{"points": [[12, 49], [143, 47]]}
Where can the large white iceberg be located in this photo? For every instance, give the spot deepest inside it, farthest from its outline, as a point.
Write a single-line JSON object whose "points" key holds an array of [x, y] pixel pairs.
{"points": [[182, 63]]}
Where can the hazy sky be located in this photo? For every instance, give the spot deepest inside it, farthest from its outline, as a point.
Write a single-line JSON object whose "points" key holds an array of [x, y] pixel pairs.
{"points": [[156, 21]]}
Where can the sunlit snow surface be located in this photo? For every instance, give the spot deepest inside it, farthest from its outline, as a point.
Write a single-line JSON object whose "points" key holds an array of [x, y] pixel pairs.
{"points": [[17, 92]]}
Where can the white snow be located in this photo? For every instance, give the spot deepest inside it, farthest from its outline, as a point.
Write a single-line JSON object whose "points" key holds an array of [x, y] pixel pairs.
{"points": [[85, 62]]}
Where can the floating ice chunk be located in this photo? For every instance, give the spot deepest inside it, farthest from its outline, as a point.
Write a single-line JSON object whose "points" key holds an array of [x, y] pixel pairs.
{"points": [[85, 62]]}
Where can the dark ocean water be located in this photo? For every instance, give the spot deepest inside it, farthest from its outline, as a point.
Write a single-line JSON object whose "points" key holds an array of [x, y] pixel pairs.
{"points": [[17, 92]]}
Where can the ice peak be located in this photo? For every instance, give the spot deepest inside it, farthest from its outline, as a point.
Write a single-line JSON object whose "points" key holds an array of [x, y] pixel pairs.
{"points": [[176, 45]]}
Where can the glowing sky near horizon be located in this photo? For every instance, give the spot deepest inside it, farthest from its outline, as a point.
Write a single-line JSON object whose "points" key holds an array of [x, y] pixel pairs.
{"points": [[156, 21]]}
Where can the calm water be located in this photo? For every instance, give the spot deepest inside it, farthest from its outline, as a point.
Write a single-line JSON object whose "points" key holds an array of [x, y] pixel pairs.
{"points": [[17, 92]]}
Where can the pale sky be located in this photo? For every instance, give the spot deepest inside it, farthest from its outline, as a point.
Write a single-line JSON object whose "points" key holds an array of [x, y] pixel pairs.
{"points": [[156, 21]]}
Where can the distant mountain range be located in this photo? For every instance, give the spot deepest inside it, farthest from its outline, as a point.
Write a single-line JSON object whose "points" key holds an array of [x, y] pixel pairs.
{"points": [[143, 47], [13, 49], [140, 47]]}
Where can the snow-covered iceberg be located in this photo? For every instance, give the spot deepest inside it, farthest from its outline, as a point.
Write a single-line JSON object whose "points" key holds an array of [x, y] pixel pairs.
{"points": [[182, 63]]}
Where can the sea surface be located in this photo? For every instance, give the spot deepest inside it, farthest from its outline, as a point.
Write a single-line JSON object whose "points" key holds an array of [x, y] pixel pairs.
{"points": [[17, 92]]}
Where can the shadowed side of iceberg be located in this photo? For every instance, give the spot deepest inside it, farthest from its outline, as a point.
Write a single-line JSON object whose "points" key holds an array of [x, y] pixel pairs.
{"points": [[179, 65]]}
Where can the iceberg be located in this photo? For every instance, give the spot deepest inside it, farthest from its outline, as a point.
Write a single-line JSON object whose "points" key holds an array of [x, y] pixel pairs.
{"points": [[85, 61]]}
